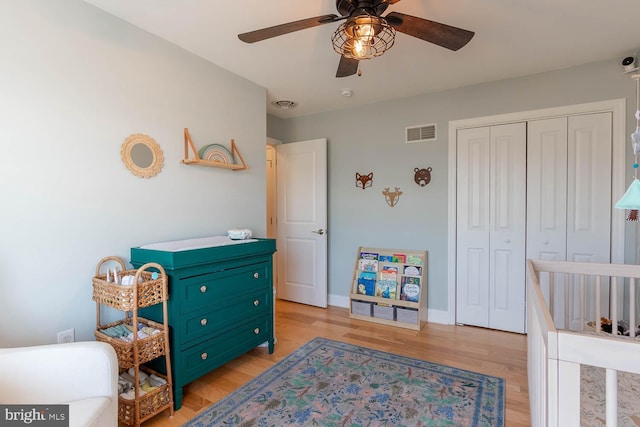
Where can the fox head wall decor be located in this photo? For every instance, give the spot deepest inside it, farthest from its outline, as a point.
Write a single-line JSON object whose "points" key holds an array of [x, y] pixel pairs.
{"points": [[364, 181]]}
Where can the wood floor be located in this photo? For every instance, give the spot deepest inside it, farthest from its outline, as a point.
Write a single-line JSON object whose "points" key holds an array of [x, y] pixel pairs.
{"points": [[500, 354]]}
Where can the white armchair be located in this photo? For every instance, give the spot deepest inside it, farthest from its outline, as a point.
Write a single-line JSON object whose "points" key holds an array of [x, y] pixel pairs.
{"points": [[82, 374]]}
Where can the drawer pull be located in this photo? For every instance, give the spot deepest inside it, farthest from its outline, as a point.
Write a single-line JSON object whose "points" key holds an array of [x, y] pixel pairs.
{"points": [[203, 322], [204, 356], [256, 303], [203, 289], [256, 331], [256, 275]]}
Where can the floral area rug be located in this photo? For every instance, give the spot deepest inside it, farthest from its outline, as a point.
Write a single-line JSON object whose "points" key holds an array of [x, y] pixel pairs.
{"points": [[330, 383]]}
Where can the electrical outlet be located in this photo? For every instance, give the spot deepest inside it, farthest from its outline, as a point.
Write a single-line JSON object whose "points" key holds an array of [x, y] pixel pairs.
{"points": [[66, 336]]}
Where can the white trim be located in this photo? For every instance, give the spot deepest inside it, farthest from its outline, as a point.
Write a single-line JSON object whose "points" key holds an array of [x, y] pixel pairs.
{"points": [[339, 301], [438, 316], [618, 109]]}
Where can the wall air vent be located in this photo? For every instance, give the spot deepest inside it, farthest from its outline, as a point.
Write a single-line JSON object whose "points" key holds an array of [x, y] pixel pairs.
{"points": [[422, 133]]}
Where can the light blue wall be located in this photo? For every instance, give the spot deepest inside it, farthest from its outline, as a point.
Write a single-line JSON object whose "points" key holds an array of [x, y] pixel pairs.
{"points": [[371, 139], [74, 83]]}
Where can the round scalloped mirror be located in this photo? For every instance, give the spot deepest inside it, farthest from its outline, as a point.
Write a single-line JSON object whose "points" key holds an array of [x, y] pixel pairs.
{"points": [[142, 155]]}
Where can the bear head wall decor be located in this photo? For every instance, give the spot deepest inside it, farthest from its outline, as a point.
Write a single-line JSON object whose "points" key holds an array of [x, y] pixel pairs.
{"points": [[422, 176]]}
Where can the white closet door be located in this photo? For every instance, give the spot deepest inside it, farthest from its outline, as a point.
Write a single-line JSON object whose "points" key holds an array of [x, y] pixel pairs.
{"points": [[589, 188], [569, 200], [589, 201], [491, 217], [547, 189], [472, 270], [508, 189], [547, 202]]}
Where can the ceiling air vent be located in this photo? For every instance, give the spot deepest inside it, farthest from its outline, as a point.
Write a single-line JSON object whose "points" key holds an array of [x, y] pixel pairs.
{"points": [[420, 133]]}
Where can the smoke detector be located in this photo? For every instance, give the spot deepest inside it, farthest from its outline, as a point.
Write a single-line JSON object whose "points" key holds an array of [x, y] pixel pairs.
{"points": [[284, 104]]}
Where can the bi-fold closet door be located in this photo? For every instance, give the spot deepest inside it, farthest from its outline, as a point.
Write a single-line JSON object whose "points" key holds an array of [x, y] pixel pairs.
{"points": [[491, 210], [537, 189], [569, 199]]}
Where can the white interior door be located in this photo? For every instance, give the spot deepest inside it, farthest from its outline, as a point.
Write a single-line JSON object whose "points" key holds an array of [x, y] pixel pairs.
{"points": [[589, 200], [472, 270], [547, 201], [301, 176], [507, 227], [491, 218]]}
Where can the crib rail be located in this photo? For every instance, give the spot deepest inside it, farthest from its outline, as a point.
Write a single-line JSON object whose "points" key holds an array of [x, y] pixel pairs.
{"points": [[571, 294]]}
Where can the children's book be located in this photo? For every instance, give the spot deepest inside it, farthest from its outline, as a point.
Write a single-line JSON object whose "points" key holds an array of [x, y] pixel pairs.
{"points": [[410, 289], [414, 260], [386, 258], [366, 283], [368, 265], [368, 255], [399, 258], [387, 285], [412, 270]]}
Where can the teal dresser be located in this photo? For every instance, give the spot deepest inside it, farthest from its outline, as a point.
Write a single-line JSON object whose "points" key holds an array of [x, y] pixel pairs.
{"points": [[220, 305]]}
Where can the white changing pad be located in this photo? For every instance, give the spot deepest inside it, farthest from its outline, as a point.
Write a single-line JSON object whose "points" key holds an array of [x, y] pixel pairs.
{"points": [[189, 244]]}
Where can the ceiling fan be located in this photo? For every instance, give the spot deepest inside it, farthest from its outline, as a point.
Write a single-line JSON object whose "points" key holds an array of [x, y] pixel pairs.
{"points": [[366, 33]]}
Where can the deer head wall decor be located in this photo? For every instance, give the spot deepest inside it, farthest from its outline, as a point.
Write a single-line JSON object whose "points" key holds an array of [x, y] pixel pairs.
{"points": [[392, 197]]}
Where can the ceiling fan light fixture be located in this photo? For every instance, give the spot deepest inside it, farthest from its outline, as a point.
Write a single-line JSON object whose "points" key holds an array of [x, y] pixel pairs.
{"points": [[363, 37], [284, 104]]}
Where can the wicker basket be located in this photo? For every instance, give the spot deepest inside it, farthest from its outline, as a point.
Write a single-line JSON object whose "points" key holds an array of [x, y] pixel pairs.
{"points": [[148, 291], [145, 406], [146, 349]]}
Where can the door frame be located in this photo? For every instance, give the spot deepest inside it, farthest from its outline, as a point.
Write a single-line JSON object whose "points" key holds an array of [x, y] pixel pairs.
{"points": [[615, 106]]}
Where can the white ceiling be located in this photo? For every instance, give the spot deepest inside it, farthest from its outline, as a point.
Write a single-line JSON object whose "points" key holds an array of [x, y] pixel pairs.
{"points": [[513, 38]]}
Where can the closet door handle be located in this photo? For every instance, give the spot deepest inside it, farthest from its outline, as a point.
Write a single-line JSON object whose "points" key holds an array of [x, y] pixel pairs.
{"points": [[256, 331], [204, 356], [546, 242], [256, 303], [507, 241], [204, 322], [256, 275], [203, 289]]}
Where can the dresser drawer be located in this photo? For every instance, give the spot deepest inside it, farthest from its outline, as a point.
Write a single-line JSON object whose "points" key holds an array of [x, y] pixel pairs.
{"points": [[211, 354], [222, 315], [223, 286]]}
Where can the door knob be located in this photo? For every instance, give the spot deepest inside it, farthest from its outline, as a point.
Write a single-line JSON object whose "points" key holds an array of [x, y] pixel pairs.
{"points": [[507, 241], [319, 231], [546, 242]]}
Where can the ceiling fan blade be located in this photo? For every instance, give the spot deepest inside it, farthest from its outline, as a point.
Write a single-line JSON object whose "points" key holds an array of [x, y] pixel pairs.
{"points": [[441, 34], [278, 30], [347, 67]]}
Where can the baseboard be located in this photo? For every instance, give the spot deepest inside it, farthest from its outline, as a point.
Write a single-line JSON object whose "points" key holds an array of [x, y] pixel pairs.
{"points": [[433, 316], [339, 301], [437, 316]]}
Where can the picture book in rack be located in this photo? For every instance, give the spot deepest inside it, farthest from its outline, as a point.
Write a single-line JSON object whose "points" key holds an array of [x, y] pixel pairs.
{"points": [[387, 285], [410, 288]]}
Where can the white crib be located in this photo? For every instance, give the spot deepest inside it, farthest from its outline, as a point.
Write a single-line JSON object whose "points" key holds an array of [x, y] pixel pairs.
{"points": [[563, 300]]}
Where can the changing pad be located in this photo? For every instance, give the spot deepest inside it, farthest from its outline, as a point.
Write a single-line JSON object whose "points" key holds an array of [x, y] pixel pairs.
{"points": [[189, 244]]}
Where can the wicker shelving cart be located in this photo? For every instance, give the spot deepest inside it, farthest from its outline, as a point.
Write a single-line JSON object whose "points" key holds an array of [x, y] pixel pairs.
{"points": [[147, 288]]}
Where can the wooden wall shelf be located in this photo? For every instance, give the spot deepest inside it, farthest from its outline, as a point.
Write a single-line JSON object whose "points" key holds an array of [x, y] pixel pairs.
{"points": [[188, 144]]}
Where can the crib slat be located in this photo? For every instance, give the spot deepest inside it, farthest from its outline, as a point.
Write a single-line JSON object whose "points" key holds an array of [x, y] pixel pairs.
{"points": [[613, 305], [598, 320], [611, 397], [582, 302], [567, 305], [552, 299], [632, 307]]}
